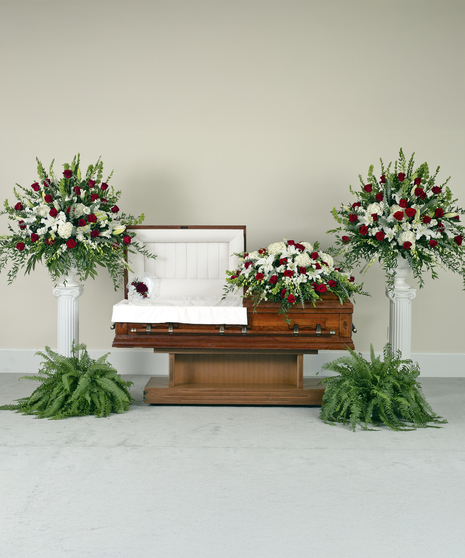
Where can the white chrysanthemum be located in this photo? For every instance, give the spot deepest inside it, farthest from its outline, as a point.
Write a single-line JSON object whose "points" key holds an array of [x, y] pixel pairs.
{"points": [[327, 259], [308, 246], [79, 209], [406, 236], [276, 248], [374, 208], [303, 260], [253, 255], [42, 210], [42, 230], [65, 230]]}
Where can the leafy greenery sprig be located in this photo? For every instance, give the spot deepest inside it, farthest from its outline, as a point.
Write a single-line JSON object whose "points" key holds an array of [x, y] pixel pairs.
{"points": [[69, 222], [404, 213], [376, 392], [75, 386]]}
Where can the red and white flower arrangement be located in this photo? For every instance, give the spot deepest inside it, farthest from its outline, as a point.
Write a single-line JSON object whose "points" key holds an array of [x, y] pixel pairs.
{"points": [[404, 212], [290, 273], [68, 222]]}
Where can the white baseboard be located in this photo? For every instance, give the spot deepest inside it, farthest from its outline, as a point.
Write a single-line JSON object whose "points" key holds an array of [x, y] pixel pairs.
{"points": [[147, 363]]}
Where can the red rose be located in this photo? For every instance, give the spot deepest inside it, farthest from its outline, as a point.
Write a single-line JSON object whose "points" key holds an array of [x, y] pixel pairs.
{"points": [[353, 218], [127, 240], [399, 215], [299, 246], [374, 216], [91, 218], [337, 269], [441, 227], [407, 245], [103, 186], [68, 173], [433, 243], [302, 269], [356, 204], [20, 246], [247, 265], [314, 255], [457, 218], [53, 212], [380, 236], [35, 187], [410, 212], [283, 293], [439, 212], [283, 261], [288, 273], [317, 265], [273, 279], [403, 203], [34, 237], [426, 219], [368, 188], [382, 179], [345, 239], [258, 277], [68, 209], [232, 276], [290, 243], [103, 200], [71, 243], [50, 241], [436, 190], [458, 239], [46, 183], [417, 181], [82, 223], [95, 233], [115, 209], [19, 206], [48, 198], [322, 288], [379, 197], [91, 183], [94, 197], [401, 177], [332, 283], [351, 279], [77, 189], [291, 299], [21, 224], [363, 230], [419, 192]]}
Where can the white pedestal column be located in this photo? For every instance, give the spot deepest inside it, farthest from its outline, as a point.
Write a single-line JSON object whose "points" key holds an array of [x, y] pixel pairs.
{"points": [[68, 293], [400, 312]]}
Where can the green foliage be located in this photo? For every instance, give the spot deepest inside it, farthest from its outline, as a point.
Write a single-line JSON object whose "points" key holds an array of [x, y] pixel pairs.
{"points": [[75, 386], [376, 392]]}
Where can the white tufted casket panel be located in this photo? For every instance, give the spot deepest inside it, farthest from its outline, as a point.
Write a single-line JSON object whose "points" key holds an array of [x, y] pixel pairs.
{"points": [[191, 264]]}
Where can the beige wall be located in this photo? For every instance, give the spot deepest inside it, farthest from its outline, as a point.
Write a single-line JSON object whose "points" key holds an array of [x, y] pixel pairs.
{"points": [[231, 112]]}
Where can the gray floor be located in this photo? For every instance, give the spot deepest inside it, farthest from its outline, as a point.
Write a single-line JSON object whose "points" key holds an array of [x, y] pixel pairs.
{"points": [[230, 482]]}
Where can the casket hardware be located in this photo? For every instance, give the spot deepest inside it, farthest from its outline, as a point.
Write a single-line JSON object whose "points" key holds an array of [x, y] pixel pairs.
{"points": [[133, 330], [244, 330], [222, 329], [170, 328], [296, 329], [318, 329], [112, 326], [148, 329], [332, 332]]}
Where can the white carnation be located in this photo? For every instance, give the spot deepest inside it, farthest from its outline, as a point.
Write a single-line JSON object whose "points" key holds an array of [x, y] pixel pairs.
{"points": [[65, 230], [42, 210], [276, 248], [327, 259], [303, 260]]}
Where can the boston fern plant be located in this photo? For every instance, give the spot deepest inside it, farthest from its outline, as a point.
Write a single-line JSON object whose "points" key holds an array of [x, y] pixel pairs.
{"points": [[376, 392], [75, 386]]}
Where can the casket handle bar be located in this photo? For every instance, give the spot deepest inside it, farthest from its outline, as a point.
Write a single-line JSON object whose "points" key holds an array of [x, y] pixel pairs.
{"points": [[244, 330], [170, 328], [318, 329], [222, 329], [296, 329], [148, 329]]}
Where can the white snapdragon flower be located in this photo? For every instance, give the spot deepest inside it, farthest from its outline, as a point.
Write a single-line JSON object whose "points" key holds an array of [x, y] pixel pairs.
{"points": [[65, 230], [276, 248], [327, 259], [303, 260], [406, 236]]}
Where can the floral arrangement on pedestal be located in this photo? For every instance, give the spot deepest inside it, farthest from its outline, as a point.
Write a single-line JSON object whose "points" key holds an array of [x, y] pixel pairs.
{"points": [[290, 273], [69, 222], [403, 213]]}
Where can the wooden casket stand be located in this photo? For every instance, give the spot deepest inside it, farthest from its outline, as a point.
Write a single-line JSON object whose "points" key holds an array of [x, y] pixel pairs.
{"points": [[257, 364]]}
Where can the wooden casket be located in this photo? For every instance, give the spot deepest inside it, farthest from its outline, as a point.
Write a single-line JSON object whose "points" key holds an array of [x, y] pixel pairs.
{"points": [[234, 355]]}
